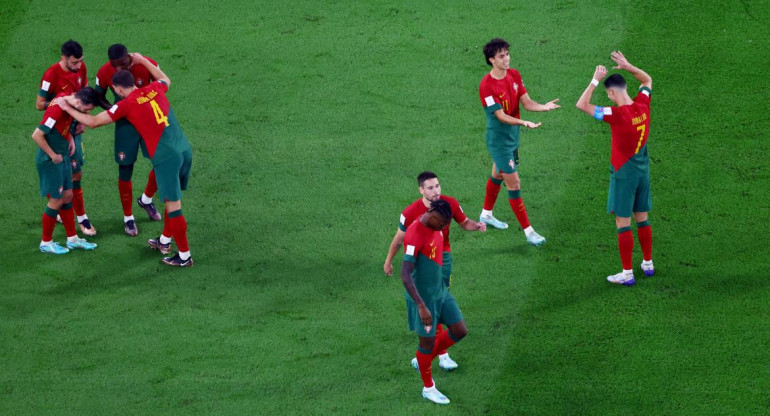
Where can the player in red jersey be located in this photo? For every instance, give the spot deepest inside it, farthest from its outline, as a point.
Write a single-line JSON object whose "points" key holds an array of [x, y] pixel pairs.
{"points": [[149, 111], [127, 139], [430, 189], [55, 147], [501, 91], [629, 191], [68, 76]]}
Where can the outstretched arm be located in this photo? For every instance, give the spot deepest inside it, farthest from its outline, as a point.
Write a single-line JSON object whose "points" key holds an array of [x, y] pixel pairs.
{"points": [[513, 121], [156, 72], [644, 78], [531, 105], [93, 122], [584, 102], [470, 225]]}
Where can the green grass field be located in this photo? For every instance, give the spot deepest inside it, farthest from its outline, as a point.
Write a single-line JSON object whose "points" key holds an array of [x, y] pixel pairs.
{"points": [[309, 122]]}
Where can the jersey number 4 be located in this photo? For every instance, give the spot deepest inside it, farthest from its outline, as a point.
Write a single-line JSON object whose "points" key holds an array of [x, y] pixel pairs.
{"points": [[641, 128], [159, 116]]}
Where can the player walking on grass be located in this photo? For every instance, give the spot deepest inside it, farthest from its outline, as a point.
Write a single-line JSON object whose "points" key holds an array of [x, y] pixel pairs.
{"points": [[148, 109], [501, 91], [428, 302], [68, 76], [430, 189], [127, 139], [629, 191], [55, 147]]}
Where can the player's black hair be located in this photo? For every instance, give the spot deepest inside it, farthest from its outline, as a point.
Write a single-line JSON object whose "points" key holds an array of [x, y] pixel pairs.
{"points": [[123, 79], [72, 48], [117, 51], [615, 81], [442, 207], [424, 176], [493, 47], [87, 96]]}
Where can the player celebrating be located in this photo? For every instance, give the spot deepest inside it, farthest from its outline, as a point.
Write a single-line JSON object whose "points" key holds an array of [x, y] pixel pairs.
{"points": [[149, 111], [501, 91], [428, 303], [629, 189], [430, 189], [68, 76], [55, 146], [127, 139]]}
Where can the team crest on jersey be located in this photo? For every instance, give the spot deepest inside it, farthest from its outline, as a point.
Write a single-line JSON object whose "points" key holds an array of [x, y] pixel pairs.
{"points": [[122, 156], [516, 87]]}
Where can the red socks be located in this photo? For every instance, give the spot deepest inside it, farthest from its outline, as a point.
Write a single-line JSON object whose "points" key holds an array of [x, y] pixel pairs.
{"points": [[425, 361], [440, 330], [152, 185], [77, 199], [493, 189], [49, 223], [177, 225], [626, 247], [517, 205], [68, 219], [644, 233], [126, 196]]}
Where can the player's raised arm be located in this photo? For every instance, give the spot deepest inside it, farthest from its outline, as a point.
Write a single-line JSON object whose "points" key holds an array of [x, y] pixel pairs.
{"points": [[156, 72], [584, 102], [644, 78]]}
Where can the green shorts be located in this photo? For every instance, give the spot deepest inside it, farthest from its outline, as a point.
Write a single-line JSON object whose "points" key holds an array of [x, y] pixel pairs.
{"points": [[172, 172], [504, 149], [55, 178], [629, 195], [127, 143], [77, 160], [444, 311], [446, 269]]}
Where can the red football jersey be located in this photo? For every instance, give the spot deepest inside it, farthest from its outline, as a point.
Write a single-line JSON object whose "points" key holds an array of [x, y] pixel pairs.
{"points": [[58, 119], [413, 212], [142, 77], [630, 125], [56, 81], [421, 239], [504, 92], [147, 109]]}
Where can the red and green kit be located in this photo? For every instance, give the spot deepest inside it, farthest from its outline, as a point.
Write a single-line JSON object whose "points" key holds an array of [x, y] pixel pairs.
{"points": [[502, 139], [55, 177]]}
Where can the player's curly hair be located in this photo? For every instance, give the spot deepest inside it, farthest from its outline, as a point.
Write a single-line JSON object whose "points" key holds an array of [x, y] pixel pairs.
{"points": [[442, 207], [493, 47], [117, 51]]}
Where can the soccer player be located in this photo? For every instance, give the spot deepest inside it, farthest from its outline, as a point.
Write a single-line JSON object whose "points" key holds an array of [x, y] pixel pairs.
{"points": [[428, 303], [55, 147], [148, 110], [68, 76], [629, 191], [501, 91], [430, 189], [127, 139]]}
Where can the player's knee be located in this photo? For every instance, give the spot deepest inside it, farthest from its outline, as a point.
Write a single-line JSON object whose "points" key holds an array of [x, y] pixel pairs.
{"points": [[66, 197], [458, 331], [125, 172], [76, 176], [55, 203]]}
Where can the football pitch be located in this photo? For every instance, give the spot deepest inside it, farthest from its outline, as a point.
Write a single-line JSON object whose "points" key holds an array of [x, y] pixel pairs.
{"points": [[309, 123]]}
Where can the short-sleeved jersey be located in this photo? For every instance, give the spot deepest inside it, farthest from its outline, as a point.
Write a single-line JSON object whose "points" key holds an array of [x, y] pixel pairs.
{"points": [[56, 126], [149, 111], [630, 126], [501, 93], [423, 246], [413, 212], [57, 80], [142, 76]]}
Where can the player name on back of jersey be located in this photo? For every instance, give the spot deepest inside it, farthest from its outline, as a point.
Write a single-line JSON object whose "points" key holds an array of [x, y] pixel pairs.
{"points": [[147, 98], [639, 119]]}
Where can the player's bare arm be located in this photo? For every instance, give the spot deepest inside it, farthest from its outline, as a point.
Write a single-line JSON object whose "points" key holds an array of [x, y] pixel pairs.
{"points": [[513, 121], [38, 136], [644, 78], [470, 225], [398, 239], [101, 119], [584, 102], [531, 105], [155, 72], [41, 104], [406, 277]]}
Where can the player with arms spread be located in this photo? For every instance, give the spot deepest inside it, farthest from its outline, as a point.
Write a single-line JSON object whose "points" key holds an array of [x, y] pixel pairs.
{"points": [[629, 191], [501, 91], [55, 147], [149, 111], [67, 77], [430, 189], [428, 303], [127, 139]]}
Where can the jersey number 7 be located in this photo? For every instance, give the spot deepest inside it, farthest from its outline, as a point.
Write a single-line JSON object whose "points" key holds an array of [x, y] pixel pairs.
{"points": [[642, 127], [162, 118]]}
